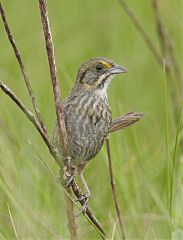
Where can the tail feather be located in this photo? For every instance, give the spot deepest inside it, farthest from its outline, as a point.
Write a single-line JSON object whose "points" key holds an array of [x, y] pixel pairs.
{"points": [[125, 121]]}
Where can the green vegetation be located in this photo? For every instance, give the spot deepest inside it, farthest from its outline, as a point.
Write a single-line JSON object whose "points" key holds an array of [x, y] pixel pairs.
{"points": [[147, 157]]}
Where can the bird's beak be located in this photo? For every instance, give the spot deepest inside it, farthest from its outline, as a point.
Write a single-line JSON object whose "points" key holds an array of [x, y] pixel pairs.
{"points": [[117, 69]]}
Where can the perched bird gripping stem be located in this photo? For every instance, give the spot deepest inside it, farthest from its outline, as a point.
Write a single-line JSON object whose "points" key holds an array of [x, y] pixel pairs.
{"points": [[88, 116]]}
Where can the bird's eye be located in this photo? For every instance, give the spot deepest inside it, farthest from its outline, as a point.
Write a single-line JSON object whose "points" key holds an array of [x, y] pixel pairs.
{"points": [[99, 67]]}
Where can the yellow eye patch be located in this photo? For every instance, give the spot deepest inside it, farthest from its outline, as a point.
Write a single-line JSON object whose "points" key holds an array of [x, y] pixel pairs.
{"points": [[106, 64]]}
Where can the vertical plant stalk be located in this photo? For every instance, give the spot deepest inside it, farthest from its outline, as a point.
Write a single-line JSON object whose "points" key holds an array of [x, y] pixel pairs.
{"points": [[173, 175], [167, 156], [170, 66], [114, 190], [70, 215], [59, 110], [22, 68], [168, 54], [54, 79], [166, 44]]}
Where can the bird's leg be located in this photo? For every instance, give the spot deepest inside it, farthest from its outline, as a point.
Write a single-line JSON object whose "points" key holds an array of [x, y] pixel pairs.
{"points": [[66, 178], [86, 195]]}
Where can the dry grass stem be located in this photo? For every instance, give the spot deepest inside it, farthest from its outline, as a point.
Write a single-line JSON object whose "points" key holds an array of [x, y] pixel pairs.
{"points": [[70, 215], [114, 190], [136, 22], [78, 193], [54, 79], [171, 64], [59, 110], [22, 68], [28, 114], [166, 44]]}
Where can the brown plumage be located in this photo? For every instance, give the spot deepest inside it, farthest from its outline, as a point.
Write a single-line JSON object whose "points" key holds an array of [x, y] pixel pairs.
{"points": [[87, 113]]}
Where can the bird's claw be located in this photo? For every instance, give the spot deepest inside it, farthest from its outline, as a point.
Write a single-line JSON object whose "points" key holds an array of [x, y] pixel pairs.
{"points": [[82, 198], [85, 198], [69, 181], [82, 211], [66, 178]]}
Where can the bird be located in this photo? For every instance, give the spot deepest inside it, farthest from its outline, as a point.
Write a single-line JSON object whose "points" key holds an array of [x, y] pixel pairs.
{"points": [[87, 114]]}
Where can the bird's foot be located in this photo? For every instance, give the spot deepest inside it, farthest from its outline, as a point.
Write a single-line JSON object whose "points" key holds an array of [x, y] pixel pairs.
{"points": [[84, 199], [66, 178], [69, 181]]}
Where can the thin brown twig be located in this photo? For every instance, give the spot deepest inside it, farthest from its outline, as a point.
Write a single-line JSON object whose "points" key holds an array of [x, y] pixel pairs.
{"points": [[70, 214], [141, 30], [29, 115], [54, 79], [59, 110], [114, 190], [78, 193], [22, 68]]}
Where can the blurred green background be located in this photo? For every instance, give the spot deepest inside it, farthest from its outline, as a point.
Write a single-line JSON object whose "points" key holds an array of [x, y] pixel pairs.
{"points": [[142, 155]]}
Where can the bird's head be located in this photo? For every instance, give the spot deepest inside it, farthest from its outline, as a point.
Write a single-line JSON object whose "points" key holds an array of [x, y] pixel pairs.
{"points": [[97, 73]]}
